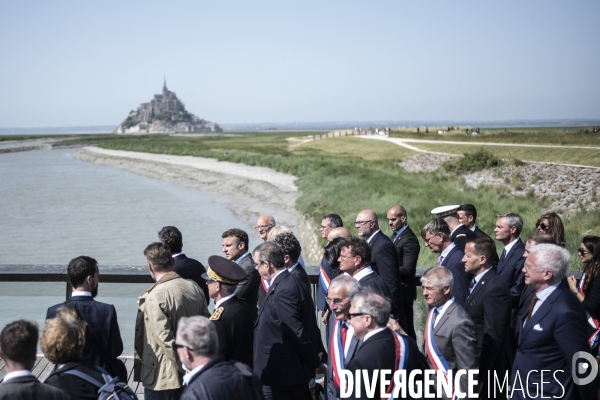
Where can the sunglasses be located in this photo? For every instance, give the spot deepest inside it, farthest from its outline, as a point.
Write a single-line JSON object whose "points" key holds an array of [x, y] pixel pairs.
{"points": [[582, 252], [350, 316], [543, 226]]}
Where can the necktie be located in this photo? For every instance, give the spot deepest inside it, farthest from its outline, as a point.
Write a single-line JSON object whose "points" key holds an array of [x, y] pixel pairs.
{"points": [[503, 254], [394, 236], [434, 317], [440, 259], [344, 332], [473, 283], [531, 306]]}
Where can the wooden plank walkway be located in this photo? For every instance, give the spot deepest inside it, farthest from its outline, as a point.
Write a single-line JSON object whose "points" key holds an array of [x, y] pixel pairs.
{"points": [[43, 367]]}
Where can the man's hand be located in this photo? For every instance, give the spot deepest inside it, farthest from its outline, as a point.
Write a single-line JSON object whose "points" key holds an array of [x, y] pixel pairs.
{"points": [[395, 326], [325, 316]]}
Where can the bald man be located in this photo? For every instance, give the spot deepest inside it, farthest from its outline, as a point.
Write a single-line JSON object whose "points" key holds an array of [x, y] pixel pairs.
{"points": [[384, 259], [338, 232], [408, 248], [264, 225]]}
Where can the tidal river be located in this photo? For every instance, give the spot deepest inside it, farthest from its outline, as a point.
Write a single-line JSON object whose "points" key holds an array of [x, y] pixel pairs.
{"points": [[54, 207]]}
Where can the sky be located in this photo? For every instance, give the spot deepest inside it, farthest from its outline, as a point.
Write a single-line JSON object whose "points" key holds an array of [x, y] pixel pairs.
{"points": [[81, 63]]}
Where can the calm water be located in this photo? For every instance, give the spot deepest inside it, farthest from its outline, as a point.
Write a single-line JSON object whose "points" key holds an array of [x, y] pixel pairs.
{"points": [[54, 207]]}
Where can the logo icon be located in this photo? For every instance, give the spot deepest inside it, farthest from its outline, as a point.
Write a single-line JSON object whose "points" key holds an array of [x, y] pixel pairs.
{"points": [[583, 363]]}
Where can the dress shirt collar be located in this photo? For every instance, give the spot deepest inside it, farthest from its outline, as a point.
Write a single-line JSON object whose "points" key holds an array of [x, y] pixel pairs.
{"points": [[371, 237], [293, 267], [17, 374], [224, 299], [447, 250], [442, 309], [473, 227], [478, 277], [276, 275], [188, 377], [543, 295], [363, 272], [510, 246], [399, 231], [376, 331], [175, 255], [81, 293], [239, 260]]}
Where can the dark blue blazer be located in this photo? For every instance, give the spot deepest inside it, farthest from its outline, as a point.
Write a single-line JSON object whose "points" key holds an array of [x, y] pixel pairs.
{"points": [[453, 261], [321, 292], [548, 341], [220, 379], [461, 235], [287, 340], [384, 261], [188, 268], [379, 352], [29, 388], [376, 284], [510, 269], [101, 319]]}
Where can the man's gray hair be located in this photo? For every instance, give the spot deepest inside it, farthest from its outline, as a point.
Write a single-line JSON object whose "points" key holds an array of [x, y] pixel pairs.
{"points": [[352, 286], [372, 304], [552, 257], [513, 219], [436, 226], [271, 252], [199, 334], [439, 277]]}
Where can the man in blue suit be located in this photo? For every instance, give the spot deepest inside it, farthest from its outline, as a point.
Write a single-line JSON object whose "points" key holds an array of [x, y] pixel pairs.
{"points": [[436, 234], [102, 335], [286, 336], [554, 330]]}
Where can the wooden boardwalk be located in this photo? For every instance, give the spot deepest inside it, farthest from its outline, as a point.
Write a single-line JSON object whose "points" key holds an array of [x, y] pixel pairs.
{"points": [[43, 367]]}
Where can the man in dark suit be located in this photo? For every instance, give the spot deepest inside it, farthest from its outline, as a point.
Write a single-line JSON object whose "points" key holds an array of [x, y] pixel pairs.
{"points": [[291, 252], [384, 259], [467, 215], [232, 316], [449, 338], [354, 260], [528, 291], [18, 344], [489, 307], [235, 247], [436, 234], [554, 333], [286, 336], [343, 344], [103, 337], [407, 246], [210, 376], [381, 348], [328, 222], [187, 268]]}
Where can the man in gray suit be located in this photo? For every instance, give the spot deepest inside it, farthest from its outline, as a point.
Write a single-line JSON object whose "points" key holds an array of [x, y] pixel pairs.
{"points": [[449, 337], [18, 342], [235, 247]]}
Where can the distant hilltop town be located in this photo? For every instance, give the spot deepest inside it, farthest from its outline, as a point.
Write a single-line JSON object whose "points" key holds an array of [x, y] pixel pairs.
{"points": [[163, 114]]}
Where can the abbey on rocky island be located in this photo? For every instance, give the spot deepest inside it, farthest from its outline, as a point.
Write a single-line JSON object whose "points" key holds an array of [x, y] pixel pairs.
{"points": [[165, 113]]}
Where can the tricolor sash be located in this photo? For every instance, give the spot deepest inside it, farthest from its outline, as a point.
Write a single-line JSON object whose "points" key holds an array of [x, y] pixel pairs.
{"points": [[401, 362], [324, 279], [434, 355], [264, 284], [595, 338], [336, 353]]}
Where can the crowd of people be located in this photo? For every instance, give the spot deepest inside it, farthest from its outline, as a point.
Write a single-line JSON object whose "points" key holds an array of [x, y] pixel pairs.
{"points": [[510, 317]]}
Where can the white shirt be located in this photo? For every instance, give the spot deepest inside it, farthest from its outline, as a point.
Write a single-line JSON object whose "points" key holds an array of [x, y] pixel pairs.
{"points": [[510, 245], [175, 255], [188, 377], [447, 250], [81, 293], [474, 227], [371, 237], [218, 303], [293, 267], [363, 272], [441, 310], [376, 331], [239, 260], [17, 374], [349, 335], [543, 295]]}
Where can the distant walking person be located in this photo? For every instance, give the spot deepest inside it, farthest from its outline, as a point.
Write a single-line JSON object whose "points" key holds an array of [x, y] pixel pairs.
{"points": [[103, 341], [187, 268]]}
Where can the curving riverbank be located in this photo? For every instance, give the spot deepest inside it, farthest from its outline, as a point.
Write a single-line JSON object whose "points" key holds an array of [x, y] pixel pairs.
{"points": [[248, 191]]}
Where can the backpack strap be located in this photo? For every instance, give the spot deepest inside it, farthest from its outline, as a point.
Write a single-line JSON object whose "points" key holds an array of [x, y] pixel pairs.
{"points": [[85, 377]]}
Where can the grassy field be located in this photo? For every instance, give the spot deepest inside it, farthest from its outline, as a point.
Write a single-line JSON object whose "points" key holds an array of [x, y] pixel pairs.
{"points": [[347, 175]]}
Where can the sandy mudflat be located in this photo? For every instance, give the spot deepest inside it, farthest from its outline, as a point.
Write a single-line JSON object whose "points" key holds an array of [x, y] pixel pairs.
{"points": [[248, 191]]}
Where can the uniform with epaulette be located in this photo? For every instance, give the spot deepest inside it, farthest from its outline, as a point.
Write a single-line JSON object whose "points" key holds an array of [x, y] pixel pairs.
{"points": [[233, 317]]}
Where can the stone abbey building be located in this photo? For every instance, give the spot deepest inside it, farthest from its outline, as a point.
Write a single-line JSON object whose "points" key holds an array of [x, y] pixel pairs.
{"points": [[165, 113]]}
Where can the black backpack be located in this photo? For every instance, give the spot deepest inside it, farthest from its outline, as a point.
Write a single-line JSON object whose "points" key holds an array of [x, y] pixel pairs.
{"points": [[111, 388]]}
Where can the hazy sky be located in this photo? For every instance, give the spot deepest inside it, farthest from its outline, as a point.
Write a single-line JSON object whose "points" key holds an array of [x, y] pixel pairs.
{"points": [[66, 63]]}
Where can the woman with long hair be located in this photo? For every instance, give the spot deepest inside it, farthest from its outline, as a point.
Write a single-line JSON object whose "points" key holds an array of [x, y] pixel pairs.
{"points": [[551, 224], [588, 290]]}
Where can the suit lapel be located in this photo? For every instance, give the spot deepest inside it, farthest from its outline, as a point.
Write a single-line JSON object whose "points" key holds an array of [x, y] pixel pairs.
{"points": [[444, 317], [445, 260], [479, 285], [541, 312]]}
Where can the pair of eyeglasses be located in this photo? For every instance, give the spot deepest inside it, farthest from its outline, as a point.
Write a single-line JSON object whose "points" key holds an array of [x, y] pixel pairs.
{"points": [[360, 223], [429, 240], [582, 252], [322, 228], [352, 315], [344, 258], [262, 227], [335, 301]]}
